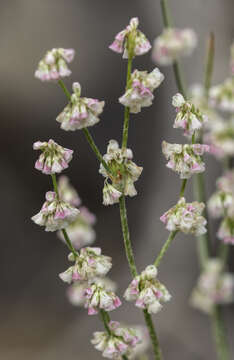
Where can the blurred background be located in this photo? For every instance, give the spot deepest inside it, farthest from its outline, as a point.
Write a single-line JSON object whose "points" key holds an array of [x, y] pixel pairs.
{"points": [[36, 320]]}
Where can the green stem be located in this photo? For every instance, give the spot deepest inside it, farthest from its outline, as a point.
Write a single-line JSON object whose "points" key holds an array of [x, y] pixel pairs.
{"points": [[126, 236], [87, 133], [165, 247], [66, 237], [183, 186], [220, 334], [154, 339], [105, 319], [126, 110], [209, 64]]}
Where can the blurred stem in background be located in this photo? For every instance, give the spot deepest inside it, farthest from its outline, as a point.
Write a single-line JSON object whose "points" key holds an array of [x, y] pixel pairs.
{"points": [[199, 185]]}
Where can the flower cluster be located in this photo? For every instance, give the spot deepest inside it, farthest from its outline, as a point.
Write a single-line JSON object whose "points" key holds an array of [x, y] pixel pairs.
{"points": [[226, 230], [131, 41], [55, 214], [140, 90], [173, 44], [185, 159], [214, 287], [147, 291], [185, 217], [81, 112], [222, 95], [54, 64], [219, 203], [90, 263], [125, 173], [220, 137], [189, 118], [54, 158], [117, 342]]}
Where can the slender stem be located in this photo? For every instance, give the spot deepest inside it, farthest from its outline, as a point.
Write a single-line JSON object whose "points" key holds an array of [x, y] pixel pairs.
{"points": [[184, 182], [66, 237], [220, 334], [104, 318], [153, 336], [126, 110], [165, 14], [87, 133], [209, 64], [165, 247], [126, 236]]}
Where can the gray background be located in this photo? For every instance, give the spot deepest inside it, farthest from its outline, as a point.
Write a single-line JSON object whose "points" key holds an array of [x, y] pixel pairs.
{"points": [[36, 320]]}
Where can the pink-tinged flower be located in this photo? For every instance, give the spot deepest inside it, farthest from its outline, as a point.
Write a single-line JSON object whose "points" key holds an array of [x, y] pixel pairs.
{"points": [[222, 96], [141, 348], [89, 264], [76, 293], [220, 203], [226, 230], [124, 173], [131, 41], [147, 292], [67, 192], [189, 118], [99, 295], [185, 159], [172, 44], [120, 341], [54, 64], [215, 286], [81, 112], [55, 214], [140, 92], [185, 217], [54, 158]]}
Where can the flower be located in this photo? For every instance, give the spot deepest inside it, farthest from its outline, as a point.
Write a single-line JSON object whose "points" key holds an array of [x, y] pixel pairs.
{"points": [[188, 117], [120, 341], [131, 41], [185, 217], [172, 44], [226, 182], [219, 203], [67, 192], [54, 158], [220, 137], [139, 92], [81, 112], [55, 214], [99, 296], [185, 159], [89, 264], [226, 230], [125, 173], [141, 348], [54, 64], [222, 95], [147, 291], [214, 287]]}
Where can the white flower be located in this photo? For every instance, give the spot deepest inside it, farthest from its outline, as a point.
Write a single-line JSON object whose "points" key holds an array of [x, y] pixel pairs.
{"points": [[185, 159], [214, 287], [89, 264], [226, 230], [173, 44], [54, 64], [219, 203], [185, 217], [222, 95], [81, 112], [55, 214], [147, 292], [110, 194], [141, 348], [140, 92], [121, 341], [131, 39], [67, 192], [54, 158]]}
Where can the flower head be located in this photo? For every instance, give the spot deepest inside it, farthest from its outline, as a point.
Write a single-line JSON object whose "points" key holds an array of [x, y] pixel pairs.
{"points": [[99, 296], [222, 95], [120, 341], [54, 64], [125, 173], [81, 112], [140, 91], [173, 44], [55, 214], [131, 41], [89, 264], [185, 217], [189, 118], [214, 287], [147, 292], [54, 158], [219, 203], [67, 192], [226, 230], [185, 159]]}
